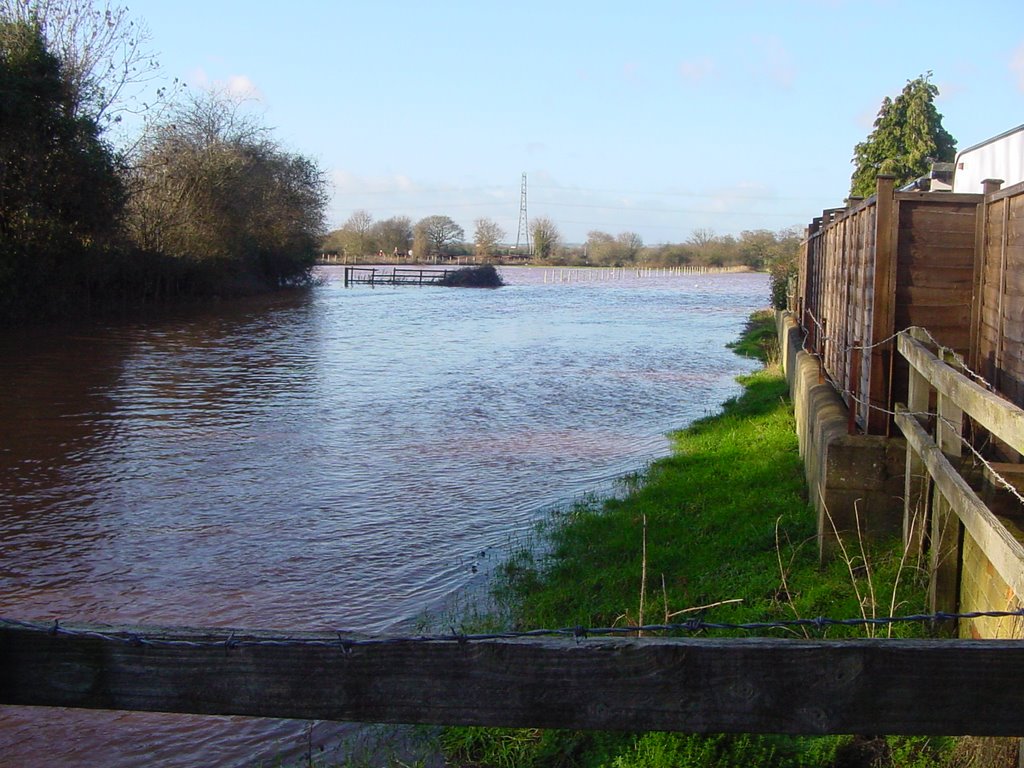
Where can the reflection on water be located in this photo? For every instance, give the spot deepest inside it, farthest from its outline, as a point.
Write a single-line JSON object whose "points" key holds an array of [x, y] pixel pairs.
{"points": [[336, 459]]}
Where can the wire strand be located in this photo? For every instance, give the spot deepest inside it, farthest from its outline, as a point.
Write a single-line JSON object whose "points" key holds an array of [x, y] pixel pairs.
{"points": [[691, 626]]}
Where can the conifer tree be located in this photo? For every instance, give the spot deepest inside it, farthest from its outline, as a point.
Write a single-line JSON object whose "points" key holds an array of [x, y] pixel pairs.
{"points": [[907, 138]]}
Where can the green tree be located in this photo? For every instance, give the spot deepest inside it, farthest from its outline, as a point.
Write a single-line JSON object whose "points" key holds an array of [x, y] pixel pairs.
{"points": [[61, 191], [907, 138]]}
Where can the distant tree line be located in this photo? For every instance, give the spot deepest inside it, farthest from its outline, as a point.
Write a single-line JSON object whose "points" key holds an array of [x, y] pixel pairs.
{"points": [[203, 202], [907, 138], [360, 237]]}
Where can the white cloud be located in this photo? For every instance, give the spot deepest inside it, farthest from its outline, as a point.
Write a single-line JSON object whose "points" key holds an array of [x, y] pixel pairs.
{"points": [[350, 184], [198, 78], [696, 71], [238, 86], [1017, 66], [778, 62], [243, 87]]}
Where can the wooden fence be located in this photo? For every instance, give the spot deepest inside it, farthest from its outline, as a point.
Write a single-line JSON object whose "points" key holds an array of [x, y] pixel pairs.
{"points": [[693, 685], [943, 512], [998, 317], [952, 264], [880, 265]]}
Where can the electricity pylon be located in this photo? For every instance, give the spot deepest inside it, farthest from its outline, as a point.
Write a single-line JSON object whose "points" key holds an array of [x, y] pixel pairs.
{"points": [[523, 235]]}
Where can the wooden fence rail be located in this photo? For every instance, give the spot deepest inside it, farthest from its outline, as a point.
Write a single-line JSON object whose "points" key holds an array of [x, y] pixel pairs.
{"points": [[955, 502], [694, 685]]}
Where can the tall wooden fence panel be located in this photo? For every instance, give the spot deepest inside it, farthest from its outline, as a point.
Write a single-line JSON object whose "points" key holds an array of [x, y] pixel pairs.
{"points": [[837, 274], [895, 260], [935, 266]]}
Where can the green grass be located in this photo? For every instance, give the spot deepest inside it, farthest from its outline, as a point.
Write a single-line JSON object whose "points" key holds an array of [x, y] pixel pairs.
{"points": [[759, 339], [723, 521]]}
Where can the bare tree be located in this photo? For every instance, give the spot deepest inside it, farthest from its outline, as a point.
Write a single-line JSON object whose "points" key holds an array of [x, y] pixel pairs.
{"points": [[487, 237], [211, 185], [356, 233], [435, 233], [605, 250], [701, 238], [600, 248], [105, 53], [630, 244], [394, 235], [546, 238]]}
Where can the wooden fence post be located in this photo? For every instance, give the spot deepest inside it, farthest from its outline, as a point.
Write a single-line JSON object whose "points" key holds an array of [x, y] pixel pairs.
{"points": [[917, 484], [989, 187], [884, 307], [1004, 235], [854, 386], [946, 530]]}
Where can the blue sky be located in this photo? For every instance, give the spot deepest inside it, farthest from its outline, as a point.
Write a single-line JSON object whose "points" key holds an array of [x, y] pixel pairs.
{"points": [[654, 117]]}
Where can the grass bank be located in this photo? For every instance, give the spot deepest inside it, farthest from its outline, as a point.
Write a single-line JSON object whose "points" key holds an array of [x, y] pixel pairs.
{"points": [[719, 529]]}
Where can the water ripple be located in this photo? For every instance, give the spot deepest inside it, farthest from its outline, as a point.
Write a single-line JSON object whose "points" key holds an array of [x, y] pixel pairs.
{"points": [[334, 459]]}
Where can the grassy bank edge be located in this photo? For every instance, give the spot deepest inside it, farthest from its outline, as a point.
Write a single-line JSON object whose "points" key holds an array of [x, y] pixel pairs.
{"points": [[720, 529]]}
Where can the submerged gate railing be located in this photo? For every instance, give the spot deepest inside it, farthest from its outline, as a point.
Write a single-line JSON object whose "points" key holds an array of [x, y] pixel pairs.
{"points": [[395, 276]]}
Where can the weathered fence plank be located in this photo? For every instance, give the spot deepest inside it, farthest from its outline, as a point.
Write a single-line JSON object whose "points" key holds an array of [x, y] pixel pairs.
{"points": [[883, 316], [999, 545], [991, 411], [917, 483], [693, 685]]}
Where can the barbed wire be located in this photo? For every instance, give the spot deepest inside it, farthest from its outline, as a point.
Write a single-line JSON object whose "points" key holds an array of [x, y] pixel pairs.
{"points": [[999, 479], [844, 347], [578, 633]]}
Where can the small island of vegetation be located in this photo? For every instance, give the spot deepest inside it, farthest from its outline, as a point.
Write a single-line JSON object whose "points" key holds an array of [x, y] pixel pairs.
{"points": [[483, 276]]}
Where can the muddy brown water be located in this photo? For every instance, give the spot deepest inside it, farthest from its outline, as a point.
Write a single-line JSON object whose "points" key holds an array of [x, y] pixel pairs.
{"points": [[342, 458]]}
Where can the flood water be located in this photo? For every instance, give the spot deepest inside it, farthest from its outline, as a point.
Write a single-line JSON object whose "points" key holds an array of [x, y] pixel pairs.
{"points": [[342, 458]]}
